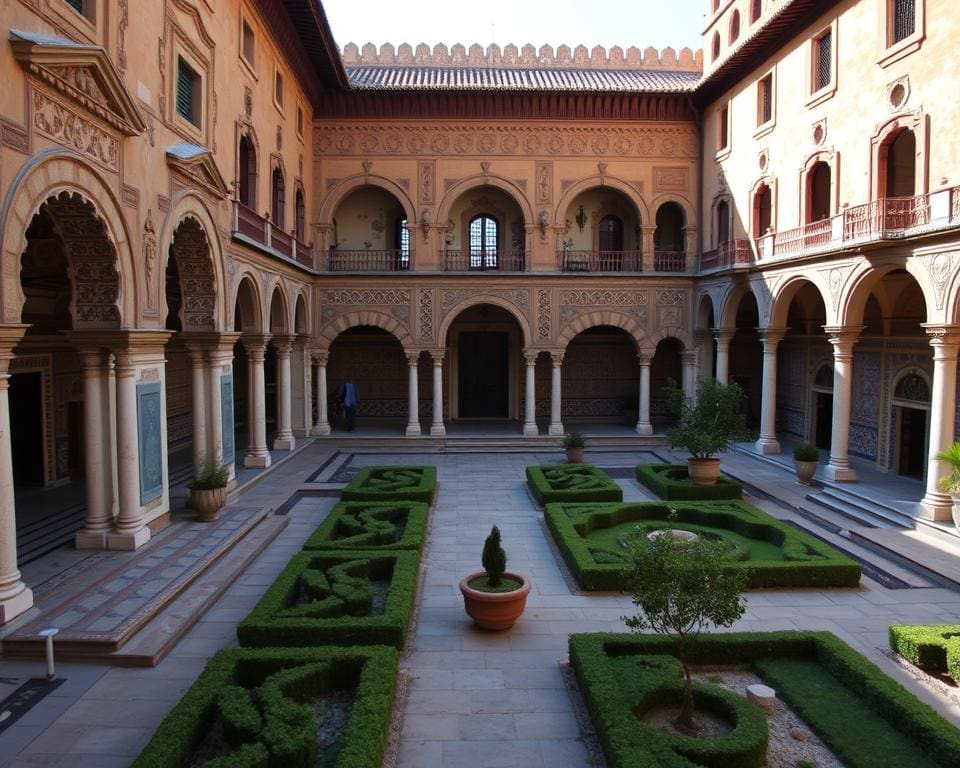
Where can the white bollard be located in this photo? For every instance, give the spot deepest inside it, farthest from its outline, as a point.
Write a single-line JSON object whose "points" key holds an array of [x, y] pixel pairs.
{"points": [[49, 633]]}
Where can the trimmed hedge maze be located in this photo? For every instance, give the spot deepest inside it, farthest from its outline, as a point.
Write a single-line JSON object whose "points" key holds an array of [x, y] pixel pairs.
{"points": [[414, 483], [572, 482], [933, 648], [320, 598], [266, 708], [358, 525], [594, 540], [867, 719], [672, 482]]}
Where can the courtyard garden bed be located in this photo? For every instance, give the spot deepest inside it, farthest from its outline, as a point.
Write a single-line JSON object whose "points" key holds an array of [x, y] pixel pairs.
{"points": [[413, 483], [932, 648], [336, 598], [594, 539], [292, 707], [360, 525], [572, 482], [672, 482], [864, 717]]}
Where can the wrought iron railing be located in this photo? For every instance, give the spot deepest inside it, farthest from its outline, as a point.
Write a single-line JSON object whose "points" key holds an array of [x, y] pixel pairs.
{"points": [[485, 261], [669, 261], [600, 261], [368, 261]]}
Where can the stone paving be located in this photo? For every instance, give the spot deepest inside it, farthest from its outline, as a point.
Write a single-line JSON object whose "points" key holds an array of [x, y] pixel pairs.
{"points": [[475, 699]]}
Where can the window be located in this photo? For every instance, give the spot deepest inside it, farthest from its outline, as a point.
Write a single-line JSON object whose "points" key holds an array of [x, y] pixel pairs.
{"points": [[248, 45], [299, 121], [756, 8], [762, 210], [901, 164], [716, 46], [300, 224], [716, 5], [402, 240], [611, 233], [723, 222], [765, 100], [669, 233], [483, 242], [723, 129], [85, 8], [279, 193], [247, 165], [904, 20], [278, 89], [734, 27], [822, 61], [818, 182], [188, 92]]}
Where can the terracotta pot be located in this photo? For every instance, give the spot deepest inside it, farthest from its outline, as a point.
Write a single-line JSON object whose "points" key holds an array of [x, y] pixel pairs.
{"points": [[806, 470], [574, 455], [207, 503], [703, 471], [494, 610]]}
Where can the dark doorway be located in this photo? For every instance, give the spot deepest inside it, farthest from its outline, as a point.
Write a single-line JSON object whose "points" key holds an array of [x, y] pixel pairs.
{"points": [[26, 428], [75, 439], [912, 459], [824, 420], [484, 370]]}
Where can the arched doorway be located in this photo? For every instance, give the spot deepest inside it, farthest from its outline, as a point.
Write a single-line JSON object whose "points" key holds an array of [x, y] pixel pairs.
{"points": [[669, 244], [707, 343], [600, 377], [602, 233], [248, 352], [804, 401], [374, 360], [746, 358], [823, 407], [666, 370], [900, 165], [818, 193], [371, 233], [911, 416]]}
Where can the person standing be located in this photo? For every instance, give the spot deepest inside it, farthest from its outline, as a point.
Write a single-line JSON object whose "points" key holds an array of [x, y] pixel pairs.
{"points": [[350, 399]]}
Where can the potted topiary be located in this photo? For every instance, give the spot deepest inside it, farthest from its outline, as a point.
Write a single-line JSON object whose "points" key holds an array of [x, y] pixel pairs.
{"points": [[208, 492], [806, 457], [493, 597], [951, 483], [574, 443], [707, 426]]}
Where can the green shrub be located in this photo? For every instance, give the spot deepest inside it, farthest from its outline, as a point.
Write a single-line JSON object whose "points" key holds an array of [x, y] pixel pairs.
{"points": [[935, 648], [710, 423], [806, 452], [806, 562], [413, 483], [572, 482], [356, 525], [209, 475], [672, 482], [286, 679], [573, 440], [337, 608]]}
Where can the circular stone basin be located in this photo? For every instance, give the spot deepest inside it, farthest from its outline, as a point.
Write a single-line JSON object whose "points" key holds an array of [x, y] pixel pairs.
{"points": [[680, 536]]}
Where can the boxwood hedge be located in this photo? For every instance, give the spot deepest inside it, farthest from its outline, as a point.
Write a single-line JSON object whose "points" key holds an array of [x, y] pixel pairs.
{"points": [[672, 482], [806, 561], [572, 482], [362, 525], [278, 725], [327, 598], [867, 719], [413, 483], [935, 648]]}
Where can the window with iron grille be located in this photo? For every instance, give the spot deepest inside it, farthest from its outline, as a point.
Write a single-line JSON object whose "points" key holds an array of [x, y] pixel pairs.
{"points": [[483, 242], [188, 92], [765, 100], [823, 61], [904, 20], [403, 243]]}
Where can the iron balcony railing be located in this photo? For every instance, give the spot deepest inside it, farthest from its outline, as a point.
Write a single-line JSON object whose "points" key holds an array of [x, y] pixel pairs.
{"points": [[600, 261], [368, 261], [261, 232], [483, 261]]}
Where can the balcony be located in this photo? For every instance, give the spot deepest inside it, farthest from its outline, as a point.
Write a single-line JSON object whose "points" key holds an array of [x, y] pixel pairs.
{"points": [[368, 261], [600, 261], [669, 261], [730, 253], [256, 230], [487, 261]]}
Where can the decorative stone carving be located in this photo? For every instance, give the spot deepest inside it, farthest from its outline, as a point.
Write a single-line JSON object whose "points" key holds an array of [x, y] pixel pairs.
{"points": [[428, 181], [671, 179], [451, 298], [197, 287], [544, 182], [940, 267], [59, 123], [426, 314], [576, 302], [669, 298], [543, 314], [351, 297], [150, 263]]}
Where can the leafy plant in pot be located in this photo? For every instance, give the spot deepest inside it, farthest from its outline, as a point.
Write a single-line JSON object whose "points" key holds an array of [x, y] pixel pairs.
{"points": [[574, 444], [208, 492], [950, 483], [706, 426], [806, 458], [494, 598]]}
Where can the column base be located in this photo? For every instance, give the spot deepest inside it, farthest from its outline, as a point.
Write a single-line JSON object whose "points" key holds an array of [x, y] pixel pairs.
{"points": [[644, 429], [256, 461], [937, 506], [530, 430], [90, 540], [438, 430], [413, 430], [840, 474], [320, 430], [767, 445], [285, 443], [556, 430], [128, 542], [11, 607]]}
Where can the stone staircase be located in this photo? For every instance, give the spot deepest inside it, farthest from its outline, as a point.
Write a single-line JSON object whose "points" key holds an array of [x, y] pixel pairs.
{"points": [[488, 443], [863, 511]]}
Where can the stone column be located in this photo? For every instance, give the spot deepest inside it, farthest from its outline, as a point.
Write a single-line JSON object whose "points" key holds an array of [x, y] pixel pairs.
{"points": [[15, 597], [198, 392], [322, 427], [943, 398], [284, 440], [723, 337], [413, 395], [556, 401], [97, 451], [768, 443], [530, 394], [704, 349], [688, 362], [220, 362], [304, 412], [843, 339], [257, 453], [130, 530], [437, 429], [644, 427]]}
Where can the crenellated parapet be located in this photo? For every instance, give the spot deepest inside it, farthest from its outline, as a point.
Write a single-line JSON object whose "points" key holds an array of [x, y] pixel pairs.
{"points": [[528, 56]]}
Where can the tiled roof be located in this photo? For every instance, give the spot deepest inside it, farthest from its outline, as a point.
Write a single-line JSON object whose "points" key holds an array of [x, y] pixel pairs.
{"points": [[464, 78]]}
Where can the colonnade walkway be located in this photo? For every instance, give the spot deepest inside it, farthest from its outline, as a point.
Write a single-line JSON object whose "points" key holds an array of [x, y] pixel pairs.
{"points": [[473, 698]]}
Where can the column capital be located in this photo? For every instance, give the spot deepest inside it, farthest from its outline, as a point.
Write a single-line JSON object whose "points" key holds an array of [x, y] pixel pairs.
{"points": [[255, 343], [437, 355], [645, 356], [771, 336], [843, 337], [557, 358], [413, 357], [302, 340], [688, 357], [723, 335], [703, 334], [531, 355], [209, 341], [320, 356], [136, 347], [283, 343], [942, 335]]}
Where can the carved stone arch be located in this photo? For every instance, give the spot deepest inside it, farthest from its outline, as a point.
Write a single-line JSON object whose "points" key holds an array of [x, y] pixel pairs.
{"points": [[831, 158], [349, 320], [589, 182], [589, 320], [201, 272], [689, 211], [301, 312], [51, 173], [497, 301], [674, 332], [787, 289], [705, 317], [350, 184], [865, 275], [247, 295], [278, 310], [727, 312], [951, 284], [510, 188]]}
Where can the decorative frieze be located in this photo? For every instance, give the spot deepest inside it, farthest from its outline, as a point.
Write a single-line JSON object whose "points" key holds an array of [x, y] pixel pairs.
{"points": [[55, 121], [543, 314], [426, 314], [449, 299], [577, 302]]}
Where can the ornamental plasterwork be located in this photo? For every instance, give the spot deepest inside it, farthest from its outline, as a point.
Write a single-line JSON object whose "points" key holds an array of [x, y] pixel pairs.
{"points": [[57, 122], [451, 298], [426, 314], [504, 140], [940, 268], [393, 302], [543, 314], [573, 303]]}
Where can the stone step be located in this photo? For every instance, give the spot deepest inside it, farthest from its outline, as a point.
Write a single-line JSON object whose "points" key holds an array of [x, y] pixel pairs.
{"points": [[859, 509], [485, 443]]}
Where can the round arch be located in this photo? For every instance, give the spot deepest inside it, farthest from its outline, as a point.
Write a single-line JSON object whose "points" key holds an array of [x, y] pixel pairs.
{"points": [[364, 317], [50, 173], [863, 279], [727, 311], [301, 313], [278, 312], [674, 332], [784, 293], [606, 317], [247, 295], [560, 212], [352, 183], [188, 205], [705, 319], [481, 180], [689, 214], [474, 301]]}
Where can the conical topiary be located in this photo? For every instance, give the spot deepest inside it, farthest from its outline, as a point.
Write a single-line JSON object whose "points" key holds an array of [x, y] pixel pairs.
{"points": [[494, 558]]}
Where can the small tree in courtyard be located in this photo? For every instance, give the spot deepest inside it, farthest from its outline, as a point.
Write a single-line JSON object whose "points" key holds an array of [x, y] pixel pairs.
{"points": [[709, 424], [494, 559], [679, 588]]}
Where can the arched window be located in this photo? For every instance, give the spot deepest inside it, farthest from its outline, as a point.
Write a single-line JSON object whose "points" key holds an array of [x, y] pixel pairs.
{"points": [[762, 211], [301, 213], [912, 387], [669, 233], [756, 8], [723, 222], [716, 46], [824, 377], [247, 166], [734, 27], [483, 241], [901, 165], [277, 212], [818, 193], [401, 237], [611, 233]]}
